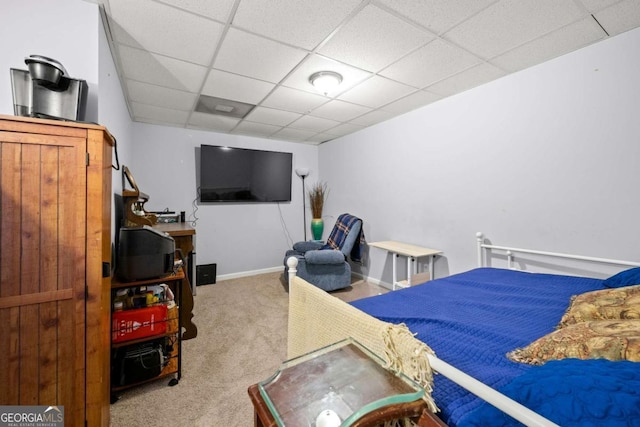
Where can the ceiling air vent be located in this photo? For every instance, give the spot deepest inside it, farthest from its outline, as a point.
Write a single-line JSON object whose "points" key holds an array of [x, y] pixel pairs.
{"points": [[223, 107]]}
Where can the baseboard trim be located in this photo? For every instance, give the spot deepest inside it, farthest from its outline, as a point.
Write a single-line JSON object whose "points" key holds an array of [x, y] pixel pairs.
{"points": [[240, 274], [248, 273], [373, 280]]}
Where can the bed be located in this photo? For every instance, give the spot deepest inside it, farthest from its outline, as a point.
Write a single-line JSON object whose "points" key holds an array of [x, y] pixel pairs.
{"points": [[493, 333]]}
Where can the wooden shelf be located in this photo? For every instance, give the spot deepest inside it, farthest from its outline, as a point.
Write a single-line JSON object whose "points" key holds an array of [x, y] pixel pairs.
{"points": [[174, 333], [178, 275], [141, 340], [163, 374]]}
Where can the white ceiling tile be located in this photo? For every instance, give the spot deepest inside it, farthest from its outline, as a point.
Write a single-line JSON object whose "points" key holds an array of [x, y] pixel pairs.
{"points": [[257, 57], [421, 67], [376, 116], [158, 122], [256, 129], [321, 137], [437, 15], [299, 79], [373, 39], [212, 122], [218, 9], [136, 23], [314, 124], [284, 98], [556, 43], [159, 114], [160, 96], [340, 110], [344, 129], [467, 79], [272, 116], [376, 91], [510, 23], [411, 102], [290, 134], [266, 51], [620, 17], [301, 23], [160, 70], [237, 88], [596, 5]]}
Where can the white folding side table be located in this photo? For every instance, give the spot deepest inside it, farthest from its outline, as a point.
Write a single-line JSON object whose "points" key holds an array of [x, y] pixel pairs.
{"points": [[412, 252]]}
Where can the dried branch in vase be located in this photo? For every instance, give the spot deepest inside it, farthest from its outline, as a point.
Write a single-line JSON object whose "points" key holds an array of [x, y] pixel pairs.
{"points": [[317, 196]]}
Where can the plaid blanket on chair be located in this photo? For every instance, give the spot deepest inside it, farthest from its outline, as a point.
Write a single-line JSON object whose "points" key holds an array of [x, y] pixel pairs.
{"points": [[339, 235]]}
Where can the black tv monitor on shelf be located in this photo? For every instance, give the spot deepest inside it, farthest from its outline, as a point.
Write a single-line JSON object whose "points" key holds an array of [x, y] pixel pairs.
{"points": [[244, 175]]}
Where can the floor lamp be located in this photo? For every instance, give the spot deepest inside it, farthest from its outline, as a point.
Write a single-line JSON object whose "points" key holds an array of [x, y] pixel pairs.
{"points": [[303, 173]]}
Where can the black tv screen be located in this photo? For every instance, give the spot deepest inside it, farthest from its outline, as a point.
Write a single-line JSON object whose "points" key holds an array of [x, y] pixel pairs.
{"points": [[244, 175]]}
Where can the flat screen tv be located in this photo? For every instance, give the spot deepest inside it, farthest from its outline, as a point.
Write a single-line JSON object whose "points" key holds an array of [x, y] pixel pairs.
{"points": [[244, 175]]}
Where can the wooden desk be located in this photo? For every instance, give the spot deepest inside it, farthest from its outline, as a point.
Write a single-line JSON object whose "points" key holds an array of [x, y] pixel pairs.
{"points": [[183, 234], [412, 252]]}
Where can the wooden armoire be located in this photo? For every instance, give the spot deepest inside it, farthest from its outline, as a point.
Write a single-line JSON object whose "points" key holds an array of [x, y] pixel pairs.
{"points": [[55, 256]]}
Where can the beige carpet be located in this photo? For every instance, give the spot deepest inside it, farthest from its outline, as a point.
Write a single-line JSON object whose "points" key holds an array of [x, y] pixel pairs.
{"points": [[242, 339], [242, 330]]}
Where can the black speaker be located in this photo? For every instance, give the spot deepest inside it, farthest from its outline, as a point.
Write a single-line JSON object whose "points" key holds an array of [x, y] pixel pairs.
{"points": [[205, 274]]}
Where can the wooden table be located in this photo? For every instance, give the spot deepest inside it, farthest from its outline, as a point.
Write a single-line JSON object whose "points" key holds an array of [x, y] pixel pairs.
{"points": [[344, 377], [412, 252], [417, 411]]}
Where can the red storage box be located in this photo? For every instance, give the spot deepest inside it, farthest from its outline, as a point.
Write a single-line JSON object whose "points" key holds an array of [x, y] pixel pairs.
{"points": [[138, 323]]}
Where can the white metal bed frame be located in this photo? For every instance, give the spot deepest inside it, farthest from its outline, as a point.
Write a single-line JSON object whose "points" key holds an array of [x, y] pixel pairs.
{"points": [[484, 250], [488, 394]]}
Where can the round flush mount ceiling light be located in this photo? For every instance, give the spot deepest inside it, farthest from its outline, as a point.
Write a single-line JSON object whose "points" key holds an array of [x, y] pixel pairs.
{"points": [[325, 81]]}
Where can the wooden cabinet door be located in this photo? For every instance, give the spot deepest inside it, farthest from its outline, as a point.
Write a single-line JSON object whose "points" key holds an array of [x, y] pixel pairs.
{"points": [[42, 271]]}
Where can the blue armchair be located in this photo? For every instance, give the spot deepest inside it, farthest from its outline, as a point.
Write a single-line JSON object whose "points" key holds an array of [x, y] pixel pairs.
{"points": [[326, 265]]}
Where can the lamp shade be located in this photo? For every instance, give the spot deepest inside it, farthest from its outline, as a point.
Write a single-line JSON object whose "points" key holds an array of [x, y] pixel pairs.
{"points": [[325, 81]]}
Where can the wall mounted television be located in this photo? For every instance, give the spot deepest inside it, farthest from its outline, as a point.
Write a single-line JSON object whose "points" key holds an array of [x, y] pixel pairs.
{"points": [[244, 175]]}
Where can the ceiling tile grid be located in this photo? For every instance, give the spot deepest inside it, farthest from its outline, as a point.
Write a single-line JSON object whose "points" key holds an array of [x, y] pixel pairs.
{"points": [[340, 110], [419, 70], [556, 43], [139, 23], [621, 17], [393, 55], [509, 23], [218, 9], [143, 66], [146, 93], [238, 88], [253, 56], [301, 23], [374, 39], [272, 116], [203, 121]]}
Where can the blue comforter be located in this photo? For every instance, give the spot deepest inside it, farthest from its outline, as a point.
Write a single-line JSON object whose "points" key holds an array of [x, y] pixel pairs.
{"points": [[471, 320]]}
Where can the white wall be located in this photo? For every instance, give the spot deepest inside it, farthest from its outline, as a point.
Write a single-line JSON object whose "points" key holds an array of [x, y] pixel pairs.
{"points": [[65, 30], [113, 111], [113, 114], [545, 158], [70, 31], [239, 238]]}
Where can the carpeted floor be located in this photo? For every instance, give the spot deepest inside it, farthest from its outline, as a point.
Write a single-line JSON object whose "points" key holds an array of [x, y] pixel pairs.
{"points": [[242, 339]]}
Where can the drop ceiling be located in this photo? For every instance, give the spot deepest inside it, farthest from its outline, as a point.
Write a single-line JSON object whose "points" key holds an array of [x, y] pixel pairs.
{"points": [[394, 56]]}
